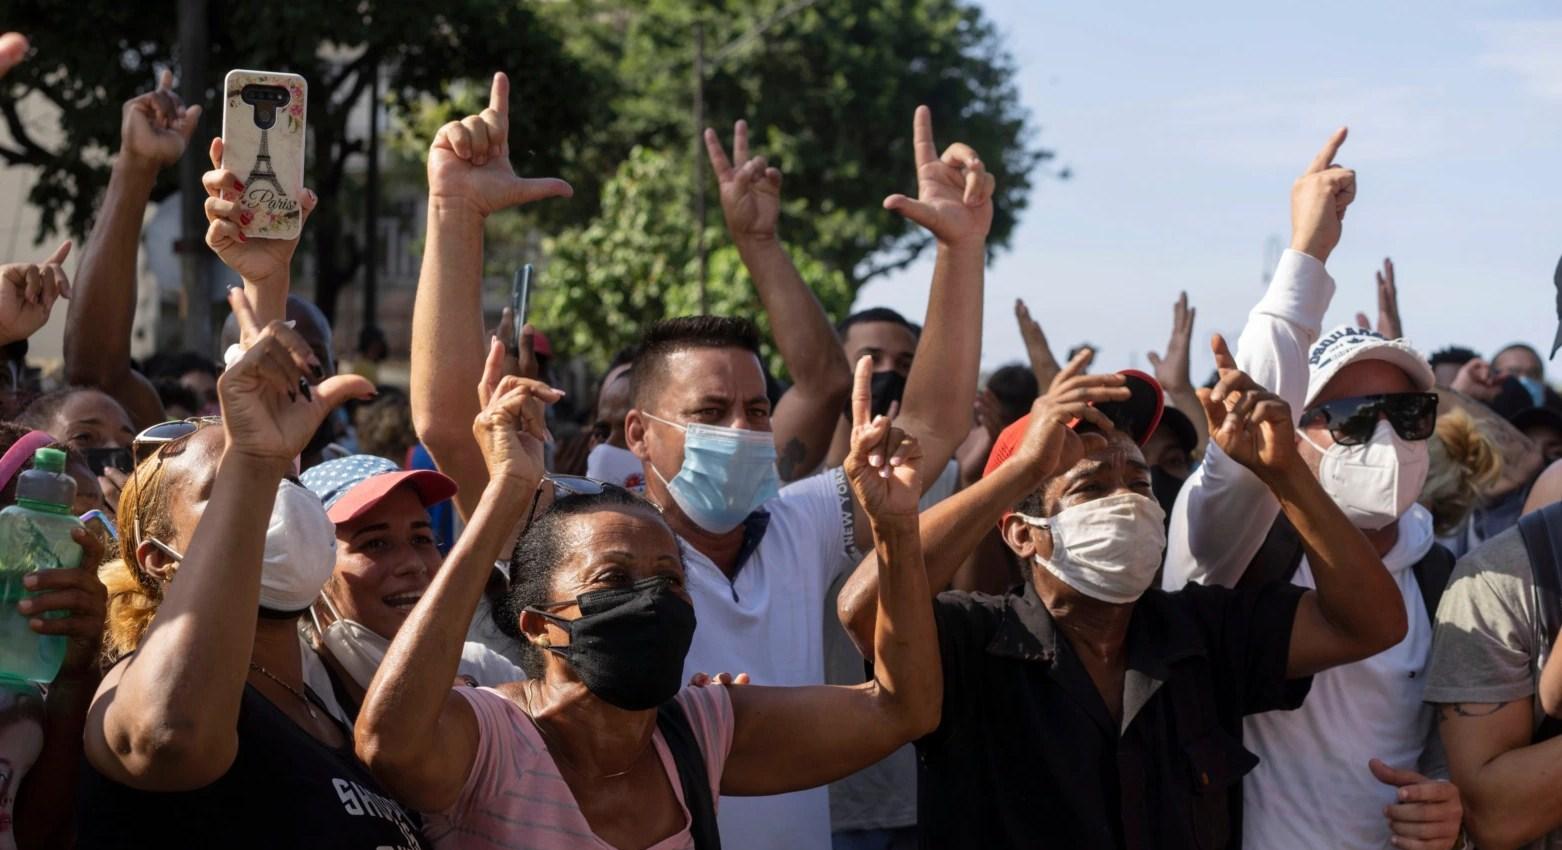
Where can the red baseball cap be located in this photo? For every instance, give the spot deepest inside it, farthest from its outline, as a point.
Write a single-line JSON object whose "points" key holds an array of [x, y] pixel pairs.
{"points": [[352, 485], [1139, 416]]}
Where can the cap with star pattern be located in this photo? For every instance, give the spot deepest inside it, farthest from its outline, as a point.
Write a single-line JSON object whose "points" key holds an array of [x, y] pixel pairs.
{"points": [[352, 485]]}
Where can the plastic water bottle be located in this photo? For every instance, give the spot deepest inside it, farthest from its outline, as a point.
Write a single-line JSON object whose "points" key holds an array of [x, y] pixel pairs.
{"points": [[35, 534]]}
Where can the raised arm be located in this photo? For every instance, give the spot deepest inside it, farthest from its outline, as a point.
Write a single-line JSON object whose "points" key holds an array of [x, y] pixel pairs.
{"points": [[469, 178], [264, 265], [787, 739], [1224, 511], [28, 292], [154, 130], [952, 529], [1357, 610], [416, 734], [1042, 363], [804, 420], [954, 203], [1174, 372], [167, 719]]}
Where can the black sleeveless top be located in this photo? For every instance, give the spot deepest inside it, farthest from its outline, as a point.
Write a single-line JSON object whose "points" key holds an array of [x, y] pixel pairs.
{"points": [[285, 789]]}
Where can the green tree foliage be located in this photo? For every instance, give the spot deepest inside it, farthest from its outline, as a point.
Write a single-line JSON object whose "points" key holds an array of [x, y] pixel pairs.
{"points": [[633, 264], [92, 55], [829, 90]]}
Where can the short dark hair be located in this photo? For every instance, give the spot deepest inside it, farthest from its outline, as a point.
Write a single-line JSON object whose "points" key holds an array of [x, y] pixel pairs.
{"points": [[40, 414], [877, 314], [1519, 346], [180, 363], [1453, 355], [672, 336], [536, 561], [174, 394], [1016, 388]]}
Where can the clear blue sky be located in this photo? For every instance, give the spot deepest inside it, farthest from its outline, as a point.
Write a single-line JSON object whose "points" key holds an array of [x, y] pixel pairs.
{"points": [[1184, 132]]}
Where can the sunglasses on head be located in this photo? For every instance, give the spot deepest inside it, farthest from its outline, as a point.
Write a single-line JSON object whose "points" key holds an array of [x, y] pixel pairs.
{"points": [[1351, 421], [153, 439]]}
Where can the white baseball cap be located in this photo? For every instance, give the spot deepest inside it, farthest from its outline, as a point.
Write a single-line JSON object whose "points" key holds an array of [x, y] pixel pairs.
{"points": [[1347, 344]]}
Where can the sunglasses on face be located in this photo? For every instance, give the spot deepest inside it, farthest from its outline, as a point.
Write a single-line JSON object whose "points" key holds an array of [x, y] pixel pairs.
{"points": [[1351, 421]]}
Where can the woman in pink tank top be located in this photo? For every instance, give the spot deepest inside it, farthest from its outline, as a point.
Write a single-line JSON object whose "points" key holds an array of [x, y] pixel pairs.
{"points": [[573, 756]]}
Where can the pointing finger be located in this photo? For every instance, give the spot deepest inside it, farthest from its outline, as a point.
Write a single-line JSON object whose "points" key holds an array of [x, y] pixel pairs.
{"points": [[59, 254], [1223, 358], [922, 136], [1330, 149], [862, 392], [243, 312], [499, 94], [740, 141], [718, 157]]}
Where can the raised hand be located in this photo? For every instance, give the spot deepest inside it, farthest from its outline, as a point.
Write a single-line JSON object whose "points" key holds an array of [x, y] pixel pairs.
{"points": [[1388, 304], [1172, 370], [270, 405], [1042, 363], [81, 598], [262, 262], [1428, 812], [13, 49], [512, 428], [1248, 422], [1478, 380], [27, 294], [520, 358], [1318, 201], [1051, 444], [884, 462], [954, 192], [155, 127], [750, 188], [469, 161]]}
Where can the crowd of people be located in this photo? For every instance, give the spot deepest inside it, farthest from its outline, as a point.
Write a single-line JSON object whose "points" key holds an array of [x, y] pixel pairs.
{"points": [[1314, 602]]}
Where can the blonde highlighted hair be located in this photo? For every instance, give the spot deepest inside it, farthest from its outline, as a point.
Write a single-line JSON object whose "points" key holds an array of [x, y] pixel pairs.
{"points": [[1464, 466], [133, 594]]}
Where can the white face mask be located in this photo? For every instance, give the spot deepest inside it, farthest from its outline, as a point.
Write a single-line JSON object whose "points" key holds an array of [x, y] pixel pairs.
{"points": [[616, 466], [1107, 549], [355, 646], [300, 550], [1376, 482]]}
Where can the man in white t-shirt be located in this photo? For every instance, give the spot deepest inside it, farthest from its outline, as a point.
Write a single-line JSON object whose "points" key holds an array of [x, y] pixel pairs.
{"points": [[1342, 771], [759, 561]]}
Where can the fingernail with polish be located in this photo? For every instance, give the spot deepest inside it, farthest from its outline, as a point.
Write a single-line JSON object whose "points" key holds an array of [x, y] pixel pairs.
{"points": [[303, 387]]}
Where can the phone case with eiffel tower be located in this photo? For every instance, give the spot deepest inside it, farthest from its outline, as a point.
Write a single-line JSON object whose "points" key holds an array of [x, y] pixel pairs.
{"points": [[263, 144]]}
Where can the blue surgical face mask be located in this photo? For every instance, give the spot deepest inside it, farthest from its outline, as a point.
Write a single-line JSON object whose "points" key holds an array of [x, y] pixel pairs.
{"points": [[727, 474], [1536, 389]]}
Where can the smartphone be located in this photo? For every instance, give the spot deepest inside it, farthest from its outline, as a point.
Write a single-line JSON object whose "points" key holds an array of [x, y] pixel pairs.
{"points": [[116, 458], [100, 525], [520, 299], [263, 122]]}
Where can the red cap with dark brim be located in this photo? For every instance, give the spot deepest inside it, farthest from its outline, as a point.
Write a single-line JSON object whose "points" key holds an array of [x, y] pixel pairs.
{"points": [[1139, 416]]}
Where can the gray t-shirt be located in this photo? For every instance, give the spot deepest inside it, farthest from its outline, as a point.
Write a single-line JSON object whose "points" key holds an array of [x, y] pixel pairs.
{"points": [[1484, 648]]}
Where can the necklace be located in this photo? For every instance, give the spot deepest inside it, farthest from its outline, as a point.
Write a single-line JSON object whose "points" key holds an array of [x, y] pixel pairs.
{"points": [[290, 689]]}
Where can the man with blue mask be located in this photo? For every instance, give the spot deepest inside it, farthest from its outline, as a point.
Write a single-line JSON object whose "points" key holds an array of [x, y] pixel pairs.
{"points": [[759, 558], [1351, 768], [1522, 362]]}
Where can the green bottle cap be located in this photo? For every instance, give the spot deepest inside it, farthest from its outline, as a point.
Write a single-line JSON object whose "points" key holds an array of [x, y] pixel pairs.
{"points": [[49, 460]]}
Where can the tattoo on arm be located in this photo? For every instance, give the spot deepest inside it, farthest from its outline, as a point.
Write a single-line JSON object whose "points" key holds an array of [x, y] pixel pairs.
{"points": [[1471, 709], [791, 455]]}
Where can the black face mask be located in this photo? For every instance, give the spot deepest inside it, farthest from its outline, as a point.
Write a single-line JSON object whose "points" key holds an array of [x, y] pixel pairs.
{"points": [[628, 645], [1165, 487], [888, 387]]}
